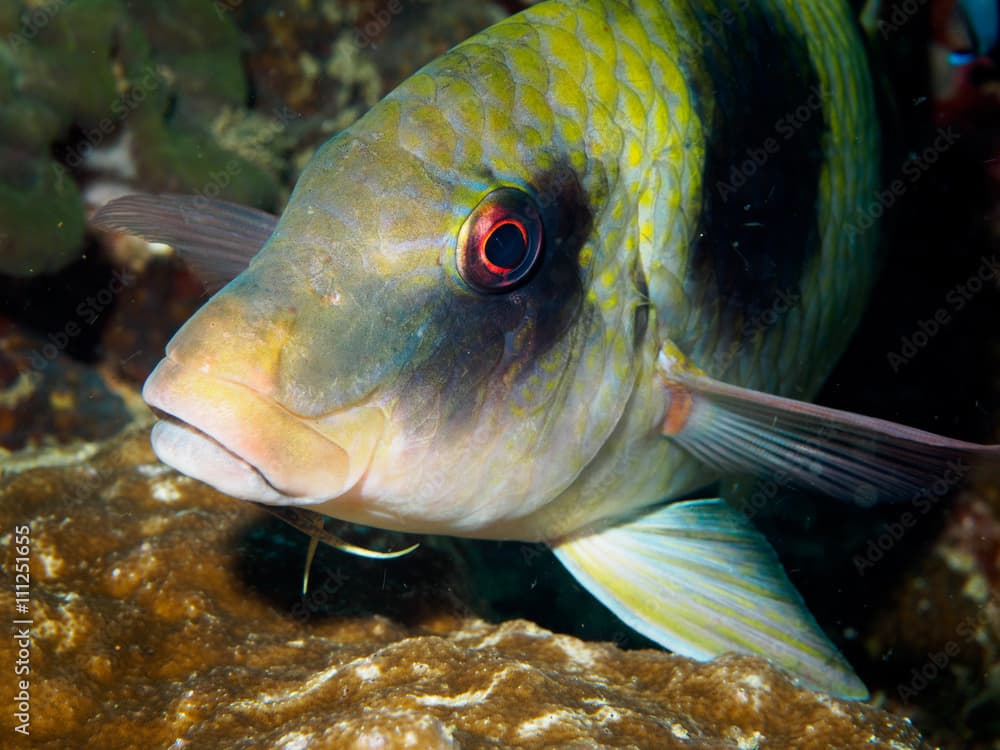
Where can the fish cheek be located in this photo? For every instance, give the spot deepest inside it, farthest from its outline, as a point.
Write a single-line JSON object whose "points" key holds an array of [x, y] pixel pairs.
{"points": [[517, 343], [492, 369], [438, 401], [469, 384]]}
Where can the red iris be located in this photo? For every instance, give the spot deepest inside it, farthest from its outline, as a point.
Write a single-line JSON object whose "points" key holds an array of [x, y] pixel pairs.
{"points": [[500, 243]]}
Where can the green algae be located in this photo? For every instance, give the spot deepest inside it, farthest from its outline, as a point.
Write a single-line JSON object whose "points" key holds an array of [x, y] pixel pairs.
{"points": [[76, 76], [41, 215]]}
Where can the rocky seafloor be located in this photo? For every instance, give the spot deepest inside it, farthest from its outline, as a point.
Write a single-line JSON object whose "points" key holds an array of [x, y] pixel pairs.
{"points": [[166, 615]]}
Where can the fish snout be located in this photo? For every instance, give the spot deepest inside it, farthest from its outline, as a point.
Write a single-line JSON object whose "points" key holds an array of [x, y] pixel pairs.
{"points": [[246, 444]]}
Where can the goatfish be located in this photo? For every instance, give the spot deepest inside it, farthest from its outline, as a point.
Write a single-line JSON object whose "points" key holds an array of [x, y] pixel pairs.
{"points": [[584, 265]]}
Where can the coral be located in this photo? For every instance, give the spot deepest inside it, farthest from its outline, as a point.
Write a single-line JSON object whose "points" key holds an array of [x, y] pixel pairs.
{"points": [[99, 97], [318, 66], [78, 78], [164, 614], [44, 90], [939, 634], [46, 398], [41, 214]]}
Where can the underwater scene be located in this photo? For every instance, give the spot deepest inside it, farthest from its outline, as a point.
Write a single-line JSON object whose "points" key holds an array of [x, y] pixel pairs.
{"points": [[500, 374]]}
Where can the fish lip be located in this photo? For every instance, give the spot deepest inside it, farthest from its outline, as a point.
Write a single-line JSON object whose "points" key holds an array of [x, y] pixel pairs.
{"points": [[199, 409], [164, 438]]}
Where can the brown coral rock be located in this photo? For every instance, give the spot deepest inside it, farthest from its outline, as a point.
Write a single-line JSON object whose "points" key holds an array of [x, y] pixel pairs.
{"points": [[938, 635], [153, 625]]}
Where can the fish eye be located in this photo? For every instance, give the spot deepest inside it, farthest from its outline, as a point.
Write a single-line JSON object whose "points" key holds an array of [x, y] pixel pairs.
{"points": [[500, 243]]}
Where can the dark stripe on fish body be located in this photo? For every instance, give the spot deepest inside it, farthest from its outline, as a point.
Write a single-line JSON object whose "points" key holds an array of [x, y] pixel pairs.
{"points": [[516, 329], [759, 220]]}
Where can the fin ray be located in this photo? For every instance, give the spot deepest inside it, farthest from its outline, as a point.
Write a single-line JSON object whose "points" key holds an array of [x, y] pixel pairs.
{"points": [[845, 455], [696, 577], [215, 238]]}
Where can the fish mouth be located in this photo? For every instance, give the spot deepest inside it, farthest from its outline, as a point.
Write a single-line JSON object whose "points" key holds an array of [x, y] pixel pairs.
{"points": [[247, 445]]}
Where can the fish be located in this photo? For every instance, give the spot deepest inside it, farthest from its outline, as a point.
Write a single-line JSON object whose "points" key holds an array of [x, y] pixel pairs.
{"points": [[555, 287], [967, 29], [964, 37]]}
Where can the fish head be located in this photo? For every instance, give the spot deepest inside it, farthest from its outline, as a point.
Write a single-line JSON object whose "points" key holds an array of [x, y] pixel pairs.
{"points": [[417, 346]]}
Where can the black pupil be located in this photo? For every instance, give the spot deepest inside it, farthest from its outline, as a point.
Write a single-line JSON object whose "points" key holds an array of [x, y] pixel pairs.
{"points": [[506, 247]]}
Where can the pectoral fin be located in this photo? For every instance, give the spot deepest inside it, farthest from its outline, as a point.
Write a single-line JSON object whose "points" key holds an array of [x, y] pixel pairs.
{"points": [[696, 577], [215, 238], [844, 455]]}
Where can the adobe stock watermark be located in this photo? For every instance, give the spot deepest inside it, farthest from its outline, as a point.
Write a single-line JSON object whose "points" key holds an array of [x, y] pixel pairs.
{"points": [[34, 21], [902, 14], [765, 491], [120, 108], [560, 180], [375, 24], [319, 596], [220, 179], [920, 505], [224, 7], [718, 22], [913, 169], [956, 298], [938, 660], [87, 313], [758, 156], [366, 33], [21, 628], [783, 302]]}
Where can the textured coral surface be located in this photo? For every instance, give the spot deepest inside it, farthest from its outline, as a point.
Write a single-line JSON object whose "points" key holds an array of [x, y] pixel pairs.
{"points": [[160, 620]]}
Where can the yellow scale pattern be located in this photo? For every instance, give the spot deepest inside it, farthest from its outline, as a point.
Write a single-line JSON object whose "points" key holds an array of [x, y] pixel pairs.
{"points": [[598, 83]]}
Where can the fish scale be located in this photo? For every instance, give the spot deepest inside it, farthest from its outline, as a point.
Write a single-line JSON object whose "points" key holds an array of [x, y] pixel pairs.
{"points": [[672, 278], [617, 74], [626, 111]]}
